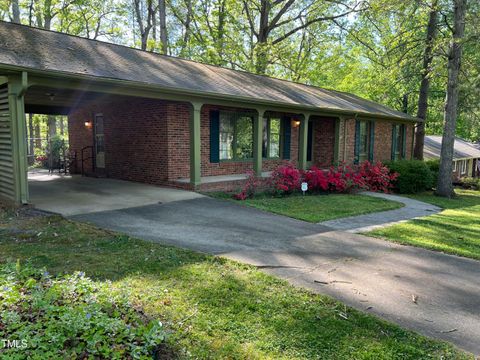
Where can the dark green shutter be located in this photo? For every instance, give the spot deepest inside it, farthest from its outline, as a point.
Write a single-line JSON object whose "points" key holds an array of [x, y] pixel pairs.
{"points": [[357, 142], [287, 132], [372, 141], [394, 141], [214, 136], [310, 141], [404, 140]]}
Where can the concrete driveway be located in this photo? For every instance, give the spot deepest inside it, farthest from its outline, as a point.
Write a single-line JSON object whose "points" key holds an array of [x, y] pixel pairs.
{"points": [[369, 274], [74, 194]]}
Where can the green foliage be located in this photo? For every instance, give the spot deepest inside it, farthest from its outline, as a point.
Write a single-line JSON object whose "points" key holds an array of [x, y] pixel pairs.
{"points": [[71, 316], [470, 183], [434, 166], [414, 176]]}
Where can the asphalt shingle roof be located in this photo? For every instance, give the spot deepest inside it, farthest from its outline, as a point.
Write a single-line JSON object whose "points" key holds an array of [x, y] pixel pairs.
{"points": [[462, 149], [36, 49]]}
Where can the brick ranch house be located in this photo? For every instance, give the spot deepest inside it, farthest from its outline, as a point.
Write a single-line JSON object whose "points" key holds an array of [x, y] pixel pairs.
{"points": [[163, 120]]}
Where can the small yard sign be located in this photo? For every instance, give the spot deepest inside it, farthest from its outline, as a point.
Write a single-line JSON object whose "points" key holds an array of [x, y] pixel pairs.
{"points": [[304, 187]]}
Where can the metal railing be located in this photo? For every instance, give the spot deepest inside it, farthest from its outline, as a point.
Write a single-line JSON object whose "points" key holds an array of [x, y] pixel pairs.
{"points": [[84, 159]]}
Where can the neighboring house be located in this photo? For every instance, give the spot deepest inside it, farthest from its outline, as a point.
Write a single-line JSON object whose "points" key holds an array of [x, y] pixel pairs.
{"points": [[164, 120], [466, 156]]}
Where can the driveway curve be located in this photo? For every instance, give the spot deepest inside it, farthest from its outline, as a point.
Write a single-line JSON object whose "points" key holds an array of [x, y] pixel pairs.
{"points": [[435, 294]]}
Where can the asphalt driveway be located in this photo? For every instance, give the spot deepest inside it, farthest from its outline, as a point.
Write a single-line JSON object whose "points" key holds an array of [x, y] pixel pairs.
{"points": [[433, 293]]}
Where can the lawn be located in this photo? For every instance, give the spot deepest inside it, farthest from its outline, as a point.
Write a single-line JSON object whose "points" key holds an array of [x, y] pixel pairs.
{"points": [[316, 208], [456, 230], [212, 307]]}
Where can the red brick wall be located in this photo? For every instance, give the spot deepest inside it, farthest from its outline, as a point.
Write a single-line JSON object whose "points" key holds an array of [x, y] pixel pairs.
{"points": [[323, 141], [136, 137], [79, 137], [382, 143], [236, 167], [178, 136]]}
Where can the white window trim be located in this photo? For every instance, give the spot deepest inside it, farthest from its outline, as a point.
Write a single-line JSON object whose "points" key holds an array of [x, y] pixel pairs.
{"points": [[463, 167], [454, 166]]}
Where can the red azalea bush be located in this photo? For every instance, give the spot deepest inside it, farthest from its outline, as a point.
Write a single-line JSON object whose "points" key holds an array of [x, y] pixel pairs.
{"points": [[316, 179], [342, 178], [377, 176], [249, 188], [285, 179]]}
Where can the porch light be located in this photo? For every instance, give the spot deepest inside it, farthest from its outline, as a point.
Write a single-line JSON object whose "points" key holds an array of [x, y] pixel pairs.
{"points": [[88, 124], [296, 123]]}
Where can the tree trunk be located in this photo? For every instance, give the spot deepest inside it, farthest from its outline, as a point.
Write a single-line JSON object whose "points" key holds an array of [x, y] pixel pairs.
{"points": [[162, 11], [52, 126], [261, 60], [31, 144], [425, 83], [186, 35], [444, 185], [62, 126], [220, 40], [38, 140], [15, 12]]}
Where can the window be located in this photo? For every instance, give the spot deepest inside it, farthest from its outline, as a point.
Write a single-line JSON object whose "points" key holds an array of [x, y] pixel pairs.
{"points": [[454, 167], [271, 138], [398, 142], [364, 145], [463, 167], [236, 136]]}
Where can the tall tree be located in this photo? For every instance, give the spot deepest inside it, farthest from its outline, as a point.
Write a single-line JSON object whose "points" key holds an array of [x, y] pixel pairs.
{"points": [[444, 185], [144, 14], [162, 13], [425, 83], [15, 12], [281, 19]]}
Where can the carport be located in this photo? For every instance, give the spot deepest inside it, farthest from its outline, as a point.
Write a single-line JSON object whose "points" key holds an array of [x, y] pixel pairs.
{"points": [[20, 94], [70, 195]]}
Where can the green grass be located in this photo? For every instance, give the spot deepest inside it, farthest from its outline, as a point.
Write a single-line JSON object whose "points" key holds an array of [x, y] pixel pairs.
{"points": [[214, 308], [456, 230], [316, 208]]}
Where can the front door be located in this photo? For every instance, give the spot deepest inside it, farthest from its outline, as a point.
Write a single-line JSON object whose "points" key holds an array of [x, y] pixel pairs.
{"points": [[99, 142]]}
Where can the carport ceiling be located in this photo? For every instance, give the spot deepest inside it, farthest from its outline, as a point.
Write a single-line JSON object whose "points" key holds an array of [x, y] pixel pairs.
{"points": [[55, 101]]}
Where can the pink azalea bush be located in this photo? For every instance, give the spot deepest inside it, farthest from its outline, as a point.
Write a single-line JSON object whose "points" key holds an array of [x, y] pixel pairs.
{"points": [[286, 179], [249, 188]]}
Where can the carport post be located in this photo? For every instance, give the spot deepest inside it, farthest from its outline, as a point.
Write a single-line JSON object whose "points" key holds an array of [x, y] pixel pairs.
{"points": [[303, 142], [17, 85], [195, 145], [257, 141]]}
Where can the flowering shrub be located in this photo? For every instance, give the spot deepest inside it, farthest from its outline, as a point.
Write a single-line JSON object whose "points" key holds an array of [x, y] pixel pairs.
{"points": [[316, 179], [285, 179], [343, 178], [249, 188], [377, 176], [72, 317]]}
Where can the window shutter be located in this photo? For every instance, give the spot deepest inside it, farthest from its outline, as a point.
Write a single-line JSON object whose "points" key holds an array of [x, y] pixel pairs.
{"points": [[394, 141], [372, 141], [287, 132], [310, 141], [404, 140], [214, 136], [357, 143]]}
